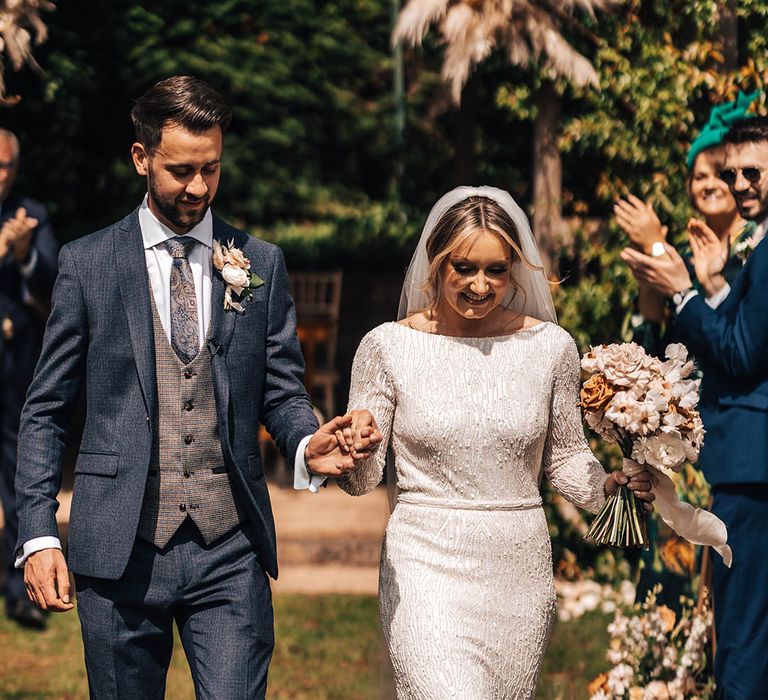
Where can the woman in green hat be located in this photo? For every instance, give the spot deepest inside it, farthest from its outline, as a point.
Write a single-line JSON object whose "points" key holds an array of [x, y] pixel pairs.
{"points": [[718, 245]]}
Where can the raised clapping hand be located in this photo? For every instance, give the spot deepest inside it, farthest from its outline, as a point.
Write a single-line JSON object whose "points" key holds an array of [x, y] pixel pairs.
{"points": [[709, 256], [338, 445], [640, 483], [639, 221], [47, 580], [16, 235], [667, 275]]}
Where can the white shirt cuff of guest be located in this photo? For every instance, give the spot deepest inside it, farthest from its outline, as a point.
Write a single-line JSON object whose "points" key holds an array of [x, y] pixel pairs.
{"points": [[302, 479], [29, 267], [36, 544], [685, 300], [718, 297]]}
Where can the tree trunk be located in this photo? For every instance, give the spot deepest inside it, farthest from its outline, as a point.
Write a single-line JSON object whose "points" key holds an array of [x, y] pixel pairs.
{"points": [[548, 225], [466, 134], [728, 30]]}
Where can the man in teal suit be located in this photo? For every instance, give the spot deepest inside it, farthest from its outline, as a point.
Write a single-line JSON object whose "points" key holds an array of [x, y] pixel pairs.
{"points": [[731, 343]]}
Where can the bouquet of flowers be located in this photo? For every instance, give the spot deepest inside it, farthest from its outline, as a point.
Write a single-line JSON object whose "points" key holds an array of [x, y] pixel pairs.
{"points": [[655, 656], [648, 407]]}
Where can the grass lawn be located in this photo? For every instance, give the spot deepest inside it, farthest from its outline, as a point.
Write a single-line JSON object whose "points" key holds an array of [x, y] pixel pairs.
{"points": [[328, 648]]}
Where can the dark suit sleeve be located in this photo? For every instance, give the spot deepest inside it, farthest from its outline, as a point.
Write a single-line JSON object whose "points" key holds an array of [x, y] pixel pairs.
{"points": [[40, 282], [50, 404], [287, 411], [737, 344]]}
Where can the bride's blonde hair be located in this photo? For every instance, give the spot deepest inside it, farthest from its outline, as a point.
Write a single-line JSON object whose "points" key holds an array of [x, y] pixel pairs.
{"points": [[457, 226]]}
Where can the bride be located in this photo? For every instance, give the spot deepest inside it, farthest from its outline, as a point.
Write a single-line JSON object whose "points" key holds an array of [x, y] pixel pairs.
{"points": [[475, 392]]}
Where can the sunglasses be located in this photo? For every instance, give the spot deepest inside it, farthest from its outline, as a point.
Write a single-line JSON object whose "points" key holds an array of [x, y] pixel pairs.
{"points": [[751, 175]]}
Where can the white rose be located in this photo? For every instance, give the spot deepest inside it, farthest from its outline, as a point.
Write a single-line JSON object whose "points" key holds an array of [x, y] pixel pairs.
{"points": [[235, 276], [665, 450]]}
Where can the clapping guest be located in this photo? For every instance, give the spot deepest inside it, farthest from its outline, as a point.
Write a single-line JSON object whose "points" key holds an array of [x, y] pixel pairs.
{"points": [[716, 238], [28, 253], [730, 344], [714, 257]]}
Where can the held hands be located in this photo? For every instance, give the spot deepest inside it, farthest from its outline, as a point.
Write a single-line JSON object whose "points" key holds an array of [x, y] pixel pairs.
{"points": [[639, 221], [16, 235], [640, 483], [666, 275], [361, 437], [47, 580], [709, 256], [336, 446]]}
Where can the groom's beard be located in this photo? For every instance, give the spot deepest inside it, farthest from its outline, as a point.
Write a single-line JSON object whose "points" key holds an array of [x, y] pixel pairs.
{"points": [[172, 212]]}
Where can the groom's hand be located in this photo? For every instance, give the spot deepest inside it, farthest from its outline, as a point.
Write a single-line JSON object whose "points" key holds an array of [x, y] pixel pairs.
{"points": [[47, 580], [323, 454]]}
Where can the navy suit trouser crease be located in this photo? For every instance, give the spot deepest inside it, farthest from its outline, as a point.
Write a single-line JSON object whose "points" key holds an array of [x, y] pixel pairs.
{"points": [[218, 595], [741, 593]]}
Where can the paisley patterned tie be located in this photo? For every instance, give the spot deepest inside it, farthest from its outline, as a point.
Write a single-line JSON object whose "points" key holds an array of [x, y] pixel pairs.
{"points": [[185, 339]]}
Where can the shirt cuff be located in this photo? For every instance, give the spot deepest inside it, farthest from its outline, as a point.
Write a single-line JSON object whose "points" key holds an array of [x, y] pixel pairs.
{"points": [[302, 479], [685, 300], [36, 544], [718, 297], [29, 267]]}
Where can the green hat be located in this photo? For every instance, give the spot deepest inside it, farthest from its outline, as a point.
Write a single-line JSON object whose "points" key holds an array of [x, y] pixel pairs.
{"points": [[721, 117]]}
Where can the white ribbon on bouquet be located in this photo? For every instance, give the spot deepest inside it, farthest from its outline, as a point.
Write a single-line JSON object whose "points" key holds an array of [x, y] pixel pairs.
{"points": [[693, 524]]}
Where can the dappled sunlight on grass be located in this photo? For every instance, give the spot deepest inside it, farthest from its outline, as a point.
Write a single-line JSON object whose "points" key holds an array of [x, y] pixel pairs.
{"points": [[328, 648]]}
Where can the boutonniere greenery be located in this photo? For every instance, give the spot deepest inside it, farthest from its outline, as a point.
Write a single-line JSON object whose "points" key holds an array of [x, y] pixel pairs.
{"points": [[235, 270], [744, 247]]}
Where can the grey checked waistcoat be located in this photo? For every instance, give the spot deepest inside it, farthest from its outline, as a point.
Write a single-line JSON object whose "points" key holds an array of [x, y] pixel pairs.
{"points": [[187, 476]]}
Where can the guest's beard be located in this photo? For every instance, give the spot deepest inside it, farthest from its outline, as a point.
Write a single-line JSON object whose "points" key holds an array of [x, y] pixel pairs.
{"points": [[171, 211]]}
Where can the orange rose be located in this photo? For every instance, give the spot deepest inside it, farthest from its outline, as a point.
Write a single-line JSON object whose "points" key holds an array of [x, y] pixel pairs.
{"points": [[596, 393]]}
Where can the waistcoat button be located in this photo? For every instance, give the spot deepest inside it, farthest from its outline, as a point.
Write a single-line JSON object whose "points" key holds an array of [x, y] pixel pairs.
{"points": [[188, 439]]}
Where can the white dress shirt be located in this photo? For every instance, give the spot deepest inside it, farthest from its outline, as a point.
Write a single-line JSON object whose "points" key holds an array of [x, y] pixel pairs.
{"points": [[159, 263]]}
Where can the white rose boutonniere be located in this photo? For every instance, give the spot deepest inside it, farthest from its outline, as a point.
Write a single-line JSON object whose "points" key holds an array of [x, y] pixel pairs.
{"points": [[235, 270]]}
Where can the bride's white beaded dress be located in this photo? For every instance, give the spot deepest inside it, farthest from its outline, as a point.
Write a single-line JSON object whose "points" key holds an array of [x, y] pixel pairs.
{"points": [[466, 587]]}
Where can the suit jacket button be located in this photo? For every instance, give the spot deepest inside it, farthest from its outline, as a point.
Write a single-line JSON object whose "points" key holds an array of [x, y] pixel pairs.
{"points": [[186, 473], [188, 439], [189, 406], [182, 508]]}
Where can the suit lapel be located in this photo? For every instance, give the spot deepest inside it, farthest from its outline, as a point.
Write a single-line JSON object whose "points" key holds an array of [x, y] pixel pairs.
{"points": [[222, 322], [131, 264]]}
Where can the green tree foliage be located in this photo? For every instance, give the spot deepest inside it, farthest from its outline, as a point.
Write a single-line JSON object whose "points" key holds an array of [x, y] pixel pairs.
{"points": [[660, 68]]}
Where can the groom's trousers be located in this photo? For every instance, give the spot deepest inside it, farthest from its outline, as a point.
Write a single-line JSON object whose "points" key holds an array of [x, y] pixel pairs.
{"points": [[219, 596], [741, 593]]}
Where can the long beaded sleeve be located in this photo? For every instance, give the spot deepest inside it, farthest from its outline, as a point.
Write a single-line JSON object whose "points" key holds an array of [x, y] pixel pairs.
{"points": [[569, 464], [372, 389]]}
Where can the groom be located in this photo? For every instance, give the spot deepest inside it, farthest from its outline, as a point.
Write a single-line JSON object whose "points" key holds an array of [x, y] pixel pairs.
{"points": [[731, 344], [179, 363]]}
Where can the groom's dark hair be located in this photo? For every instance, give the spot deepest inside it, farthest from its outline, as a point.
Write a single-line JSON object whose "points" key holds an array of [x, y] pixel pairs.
{"points": [[749, 130], [182, 101]]}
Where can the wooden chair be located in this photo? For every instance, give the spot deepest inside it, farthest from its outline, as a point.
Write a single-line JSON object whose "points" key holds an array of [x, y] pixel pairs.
{"points": [[317, 296]]}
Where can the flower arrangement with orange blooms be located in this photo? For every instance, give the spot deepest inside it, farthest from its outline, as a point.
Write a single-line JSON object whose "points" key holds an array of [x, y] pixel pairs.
{"points": [[648, 407], [656, 656]]}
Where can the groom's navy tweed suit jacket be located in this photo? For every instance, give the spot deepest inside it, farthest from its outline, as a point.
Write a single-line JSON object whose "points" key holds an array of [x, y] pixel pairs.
{"points": [[732, 346], [99, 338]]}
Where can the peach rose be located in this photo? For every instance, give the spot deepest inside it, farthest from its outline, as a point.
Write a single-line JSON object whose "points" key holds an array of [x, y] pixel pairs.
{"points": [[596, 393]]}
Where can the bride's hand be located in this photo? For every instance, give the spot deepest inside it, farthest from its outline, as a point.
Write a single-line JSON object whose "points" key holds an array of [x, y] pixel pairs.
{"points": [[361, 437], [641, 484]]}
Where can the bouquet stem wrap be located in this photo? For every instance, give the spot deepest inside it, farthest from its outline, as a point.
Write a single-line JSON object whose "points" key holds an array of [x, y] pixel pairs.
{"points": [[693, 524]]}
